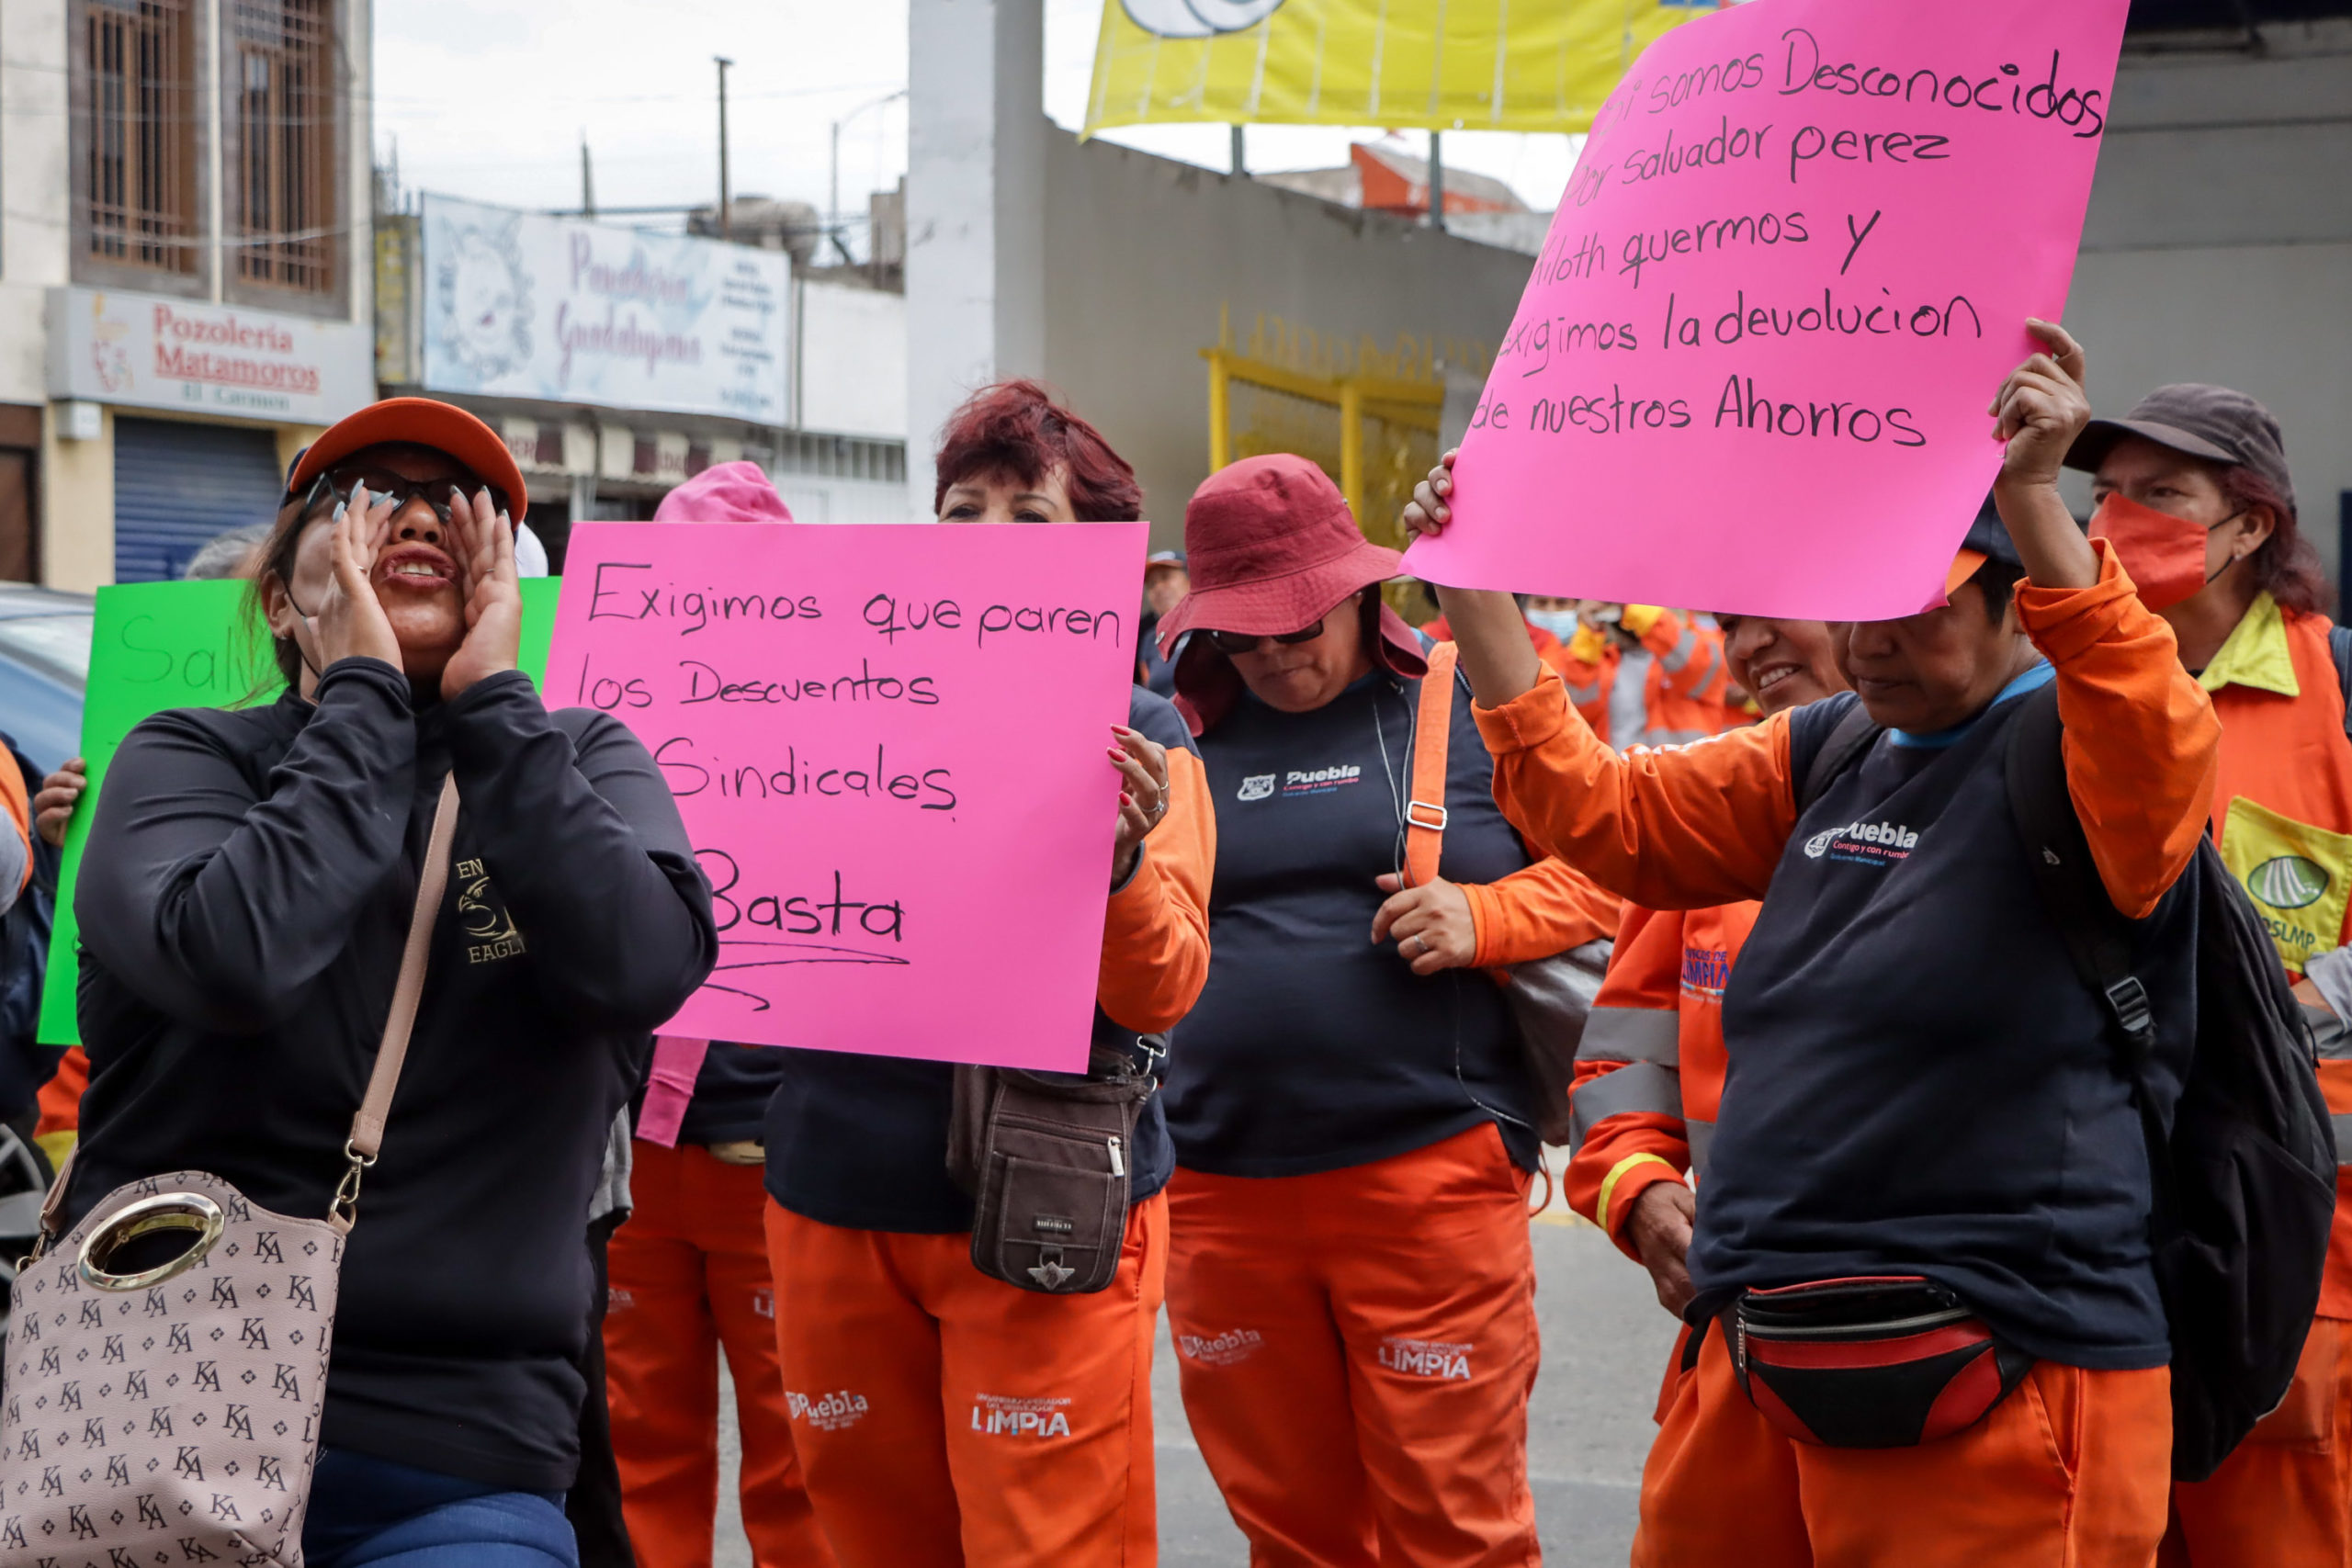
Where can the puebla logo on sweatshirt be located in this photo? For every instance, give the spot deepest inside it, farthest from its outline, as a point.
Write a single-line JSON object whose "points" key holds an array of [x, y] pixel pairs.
{"points": [[1864, 843], [1298, 782]]}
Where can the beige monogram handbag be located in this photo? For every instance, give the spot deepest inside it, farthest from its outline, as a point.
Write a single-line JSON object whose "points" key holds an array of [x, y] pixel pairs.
{"points": [[170, 1415]]}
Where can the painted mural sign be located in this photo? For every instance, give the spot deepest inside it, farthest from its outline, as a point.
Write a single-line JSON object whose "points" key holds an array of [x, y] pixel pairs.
{"points": [[519, 304]]}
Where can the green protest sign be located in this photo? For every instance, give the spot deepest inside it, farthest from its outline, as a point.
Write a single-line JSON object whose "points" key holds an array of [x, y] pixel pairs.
{"points": [[156, 646]]}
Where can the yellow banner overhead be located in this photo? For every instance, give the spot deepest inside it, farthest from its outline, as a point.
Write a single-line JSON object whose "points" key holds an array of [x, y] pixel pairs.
{"points": [[1439, 64]]}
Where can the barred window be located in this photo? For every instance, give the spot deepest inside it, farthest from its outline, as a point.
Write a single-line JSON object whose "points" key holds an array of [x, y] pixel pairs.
{"points": [[138, 113], [281, 70]]}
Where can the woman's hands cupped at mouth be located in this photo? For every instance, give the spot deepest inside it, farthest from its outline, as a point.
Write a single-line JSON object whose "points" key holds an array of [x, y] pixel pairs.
{"points": [[349, 622], [482, 539]]}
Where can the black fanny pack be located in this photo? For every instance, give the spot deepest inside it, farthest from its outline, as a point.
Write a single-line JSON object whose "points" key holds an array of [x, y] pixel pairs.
{"points": [[1884, 1362], [1048, 1159]]}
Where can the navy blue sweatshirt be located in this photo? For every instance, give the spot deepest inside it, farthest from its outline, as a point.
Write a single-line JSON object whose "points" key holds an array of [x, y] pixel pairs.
{"points": [[1311, 1048], [244, 905], [1920, 1081]]}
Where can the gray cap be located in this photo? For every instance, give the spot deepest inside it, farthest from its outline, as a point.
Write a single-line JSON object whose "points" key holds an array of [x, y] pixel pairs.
{"points": [[2212, 422]]}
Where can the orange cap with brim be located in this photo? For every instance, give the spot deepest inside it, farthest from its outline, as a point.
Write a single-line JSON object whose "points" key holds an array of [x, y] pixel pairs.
{"points": [[1964, 567], [421, 422]]}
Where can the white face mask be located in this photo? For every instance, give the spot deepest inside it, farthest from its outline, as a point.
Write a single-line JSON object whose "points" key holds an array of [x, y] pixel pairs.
{"points": [[1561, 624]]}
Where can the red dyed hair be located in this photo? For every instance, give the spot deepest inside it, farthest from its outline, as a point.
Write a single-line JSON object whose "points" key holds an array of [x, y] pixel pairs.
{"points": [[1021, 428]]}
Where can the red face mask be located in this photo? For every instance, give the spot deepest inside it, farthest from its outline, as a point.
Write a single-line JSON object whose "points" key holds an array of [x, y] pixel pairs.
{"points": [[2164, 555]]}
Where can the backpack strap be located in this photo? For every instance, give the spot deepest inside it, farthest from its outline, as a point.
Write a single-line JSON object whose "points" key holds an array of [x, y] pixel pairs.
{"points": [[1855, 733], [2339, 647], [2058, 858], [1432, 726]]}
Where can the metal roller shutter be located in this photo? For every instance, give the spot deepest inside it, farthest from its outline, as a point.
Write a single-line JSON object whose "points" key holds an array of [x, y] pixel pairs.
{"points": [[176, 485]]}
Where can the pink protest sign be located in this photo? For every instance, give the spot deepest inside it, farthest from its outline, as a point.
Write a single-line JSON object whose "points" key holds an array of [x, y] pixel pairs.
{"points": [[888, 744], [1793, 265]]}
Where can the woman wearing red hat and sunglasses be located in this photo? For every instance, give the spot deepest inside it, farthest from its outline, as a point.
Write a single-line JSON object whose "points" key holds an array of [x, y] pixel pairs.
{"points": [[941, 1417], [1350, 1283], [245, 902]]}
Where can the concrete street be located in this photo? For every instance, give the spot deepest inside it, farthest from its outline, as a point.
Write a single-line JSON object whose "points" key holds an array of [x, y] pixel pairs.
{"points": [[1605, 1342]]}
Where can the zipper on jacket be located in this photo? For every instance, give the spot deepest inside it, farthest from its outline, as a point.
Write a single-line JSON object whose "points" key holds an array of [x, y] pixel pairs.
{"points": [[1118, 1161]]}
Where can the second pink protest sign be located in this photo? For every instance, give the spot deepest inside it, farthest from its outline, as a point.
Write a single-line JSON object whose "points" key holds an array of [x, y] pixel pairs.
{"points": [[888, 744], [1751, 367]]}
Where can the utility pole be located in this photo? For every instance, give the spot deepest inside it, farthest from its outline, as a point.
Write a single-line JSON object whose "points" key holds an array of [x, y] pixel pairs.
{"points": [[1240, 162], [587, 179], [1437, 184], [726, 218], [833, 199]]}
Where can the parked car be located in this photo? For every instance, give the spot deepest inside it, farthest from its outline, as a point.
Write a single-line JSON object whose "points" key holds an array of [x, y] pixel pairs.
{"points": [[44, 665]]}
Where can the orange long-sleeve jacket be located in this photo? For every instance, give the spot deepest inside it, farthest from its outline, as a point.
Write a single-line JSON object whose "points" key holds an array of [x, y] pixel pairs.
{"points": [[1548, 907], [2282, 816], [1658, 1021], [1706, 823], [1155, 933]]}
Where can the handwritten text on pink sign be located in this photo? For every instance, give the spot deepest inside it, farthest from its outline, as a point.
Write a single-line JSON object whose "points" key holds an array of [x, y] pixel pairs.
{"points": [[1750, 370], [888, 744]]}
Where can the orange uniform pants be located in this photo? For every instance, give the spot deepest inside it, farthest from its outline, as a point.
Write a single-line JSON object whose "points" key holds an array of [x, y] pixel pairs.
{"points": [[944, 1418], [689, 1274], [2071, 1471], [2284, 1498], [1357, 1348]]}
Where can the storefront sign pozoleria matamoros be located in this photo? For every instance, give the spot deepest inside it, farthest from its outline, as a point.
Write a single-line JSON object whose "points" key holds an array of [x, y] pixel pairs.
{"points": [[144, 351]]}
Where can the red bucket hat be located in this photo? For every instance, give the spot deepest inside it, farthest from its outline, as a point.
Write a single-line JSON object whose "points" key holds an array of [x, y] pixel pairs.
{"points": [[1273, 547]]}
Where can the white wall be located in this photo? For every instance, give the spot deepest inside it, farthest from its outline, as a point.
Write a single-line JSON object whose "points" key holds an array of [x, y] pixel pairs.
{"points": [[2218, 244], [975, 168], [852, 364], [841, 501], [33, 212]]}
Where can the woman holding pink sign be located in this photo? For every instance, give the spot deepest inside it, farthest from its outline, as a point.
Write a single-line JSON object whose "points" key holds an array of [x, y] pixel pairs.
{"points": [[943, 1416]]}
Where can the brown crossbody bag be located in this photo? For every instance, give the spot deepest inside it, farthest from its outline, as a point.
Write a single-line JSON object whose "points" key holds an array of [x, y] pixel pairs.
{"points": [[1050, 1161], [171, 1411]]}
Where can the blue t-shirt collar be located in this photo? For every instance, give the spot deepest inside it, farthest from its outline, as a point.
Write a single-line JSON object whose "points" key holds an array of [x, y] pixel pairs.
{"points": [[2040, 675]]}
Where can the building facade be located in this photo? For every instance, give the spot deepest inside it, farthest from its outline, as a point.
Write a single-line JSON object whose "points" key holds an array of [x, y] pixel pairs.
{"points": [[186, 298], [619, 362]]}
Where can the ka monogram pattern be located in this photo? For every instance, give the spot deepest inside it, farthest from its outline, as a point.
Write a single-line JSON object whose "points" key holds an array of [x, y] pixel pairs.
{"points": [[175, 1422]]}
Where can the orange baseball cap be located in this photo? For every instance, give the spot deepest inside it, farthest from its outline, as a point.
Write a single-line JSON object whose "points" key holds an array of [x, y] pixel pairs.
{"points": [[420, 422], [1964, 567]]}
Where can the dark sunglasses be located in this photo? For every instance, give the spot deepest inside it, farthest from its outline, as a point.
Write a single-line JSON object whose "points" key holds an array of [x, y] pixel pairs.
{"points": [[438, 494], [1246, 642]]}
